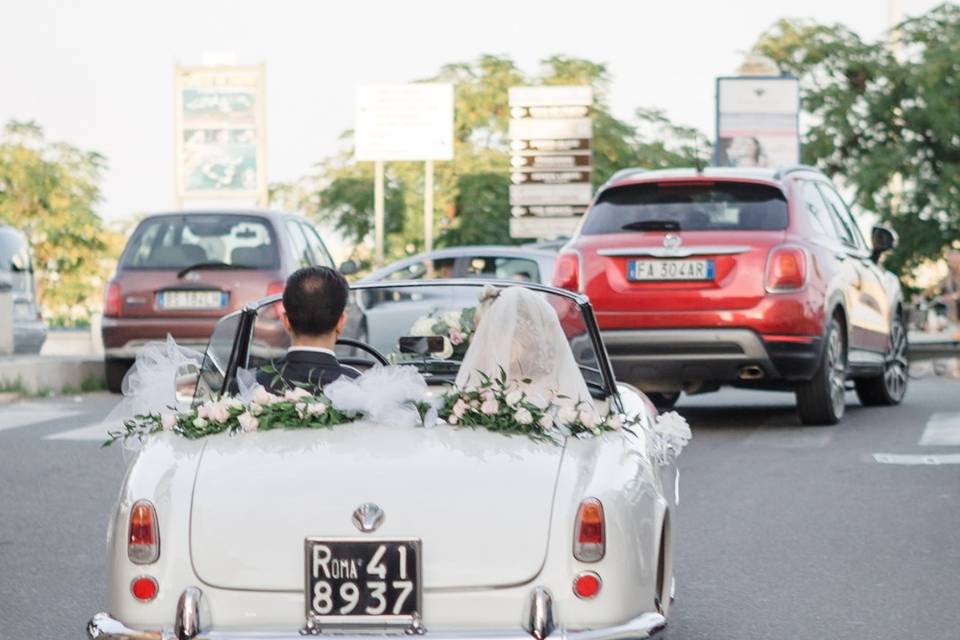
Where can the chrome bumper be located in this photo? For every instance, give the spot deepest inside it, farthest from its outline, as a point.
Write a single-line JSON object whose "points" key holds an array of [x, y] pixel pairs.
{"points": [[539, 626]]}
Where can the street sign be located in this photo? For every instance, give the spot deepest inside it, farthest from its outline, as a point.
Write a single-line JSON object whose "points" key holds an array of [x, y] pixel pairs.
{"points": [[220, 125], [757, 121], [550, 133], [404, 122]]}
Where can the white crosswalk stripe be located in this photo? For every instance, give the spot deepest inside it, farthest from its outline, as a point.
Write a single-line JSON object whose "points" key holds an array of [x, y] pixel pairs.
{"points": [[793, 438], [23, 414], [917, 459], [942, 430], [96, 431]]}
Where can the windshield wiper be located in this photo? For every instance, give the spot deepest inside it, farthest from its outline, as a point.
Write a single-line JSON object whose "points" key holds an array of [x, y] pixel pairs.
{"points": [[211, 265], [652, 225]]}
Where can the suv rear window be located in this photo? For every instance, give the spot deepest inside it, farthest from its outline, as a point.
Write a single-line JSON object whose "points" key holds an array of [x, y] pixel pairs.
{"points": [[177, 242], [707, 206]]}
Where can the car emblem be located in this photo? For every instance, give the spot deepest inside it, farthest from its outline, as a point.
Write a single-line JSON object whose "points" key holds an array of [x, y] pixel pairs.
{"points": [[671, 241], [368, 517], [192, 276]]}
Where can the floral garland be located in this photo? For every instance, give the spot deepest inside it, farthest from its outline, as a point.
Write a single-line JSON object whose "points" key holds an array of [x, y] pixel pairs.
{"points": [[502, 407], [456, 326], [297, 408]]}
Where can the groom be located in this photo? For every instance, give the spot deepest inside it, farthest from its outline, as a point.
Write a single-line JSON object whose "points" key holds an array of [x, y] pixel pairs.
{"points": [[314, 300]]}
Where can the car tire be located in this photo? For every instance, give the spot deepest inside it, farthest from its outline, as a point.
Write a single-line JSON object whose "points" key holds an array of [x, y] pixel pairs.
{"points": [[890, 388], [114, 370], [822, 400], [664, 401]]}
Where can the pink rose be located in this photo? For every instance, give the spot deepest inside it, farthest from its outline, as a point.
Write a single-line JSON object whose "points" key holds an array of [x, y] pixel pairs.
{"points": [[459, 408], [168, 421], [456, 337], [490, 407], [247, 422]]}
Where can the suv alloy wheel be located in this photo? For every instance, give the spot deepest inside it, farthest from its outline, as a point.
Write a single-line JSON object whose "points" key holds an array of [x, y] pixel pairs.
{"points": [[822, 400], [889, 388]]}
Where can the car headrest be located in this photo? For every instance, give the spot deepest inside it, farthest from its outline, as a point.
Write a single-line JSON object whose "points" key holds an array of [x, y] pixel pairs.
{"points": [[260, 256]]}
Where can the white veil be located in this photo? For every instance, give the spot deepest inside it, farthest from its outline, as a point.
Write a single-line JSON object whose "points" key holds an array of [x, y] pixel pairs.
{"points": [[521, 333]]}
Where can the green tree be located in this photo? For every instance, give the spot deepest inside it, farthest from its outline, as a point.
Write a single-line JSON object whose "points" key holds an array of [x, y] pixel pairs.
{"points": [[887, 126], [49, 190]]}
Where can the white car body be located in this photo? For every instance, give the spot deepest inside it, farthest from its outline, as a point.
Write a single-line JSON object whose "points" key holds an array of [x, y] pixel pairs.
{"points": [[495, 514]]}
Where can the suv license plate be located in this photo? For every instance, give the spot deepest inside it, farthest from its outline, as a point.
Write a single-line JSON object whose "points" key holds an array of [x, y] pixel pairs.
{"points": [[363, 582], [654, 270]]}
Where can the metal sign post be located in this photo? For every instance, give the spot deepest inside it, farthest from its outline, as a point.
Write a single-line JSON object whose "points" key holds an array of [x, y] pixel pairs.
{"points": [[403, 123]]}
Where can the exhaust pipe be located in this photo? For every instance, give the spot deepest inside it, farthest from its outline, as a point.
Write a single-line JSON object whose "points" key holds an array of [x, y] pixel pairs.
{"points": [[750, 372]]}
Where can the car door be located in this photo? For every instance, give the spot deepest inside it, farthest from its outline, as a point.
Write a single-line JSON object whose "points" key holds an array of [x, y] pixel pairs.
{"points": [[868, 315]]}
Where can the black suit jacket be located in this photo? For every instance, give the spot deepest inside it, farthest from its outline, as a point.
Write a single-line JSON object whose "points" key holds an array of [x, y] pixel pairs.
{"points": [[309, 369]]}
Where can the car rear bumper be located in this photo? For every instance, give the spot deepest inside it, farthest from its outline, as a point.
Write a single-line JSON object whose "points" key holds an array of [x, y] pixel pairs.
{"points": [[671, 359], [123, 337], [29, 336], [538, 624]]}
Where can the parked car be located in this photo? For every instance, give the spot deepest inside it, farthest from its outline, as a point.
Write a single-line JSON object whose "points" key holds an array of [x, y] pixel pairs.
{"points": [[757, 278], [16, 270], [181, 272], [448, 532]]}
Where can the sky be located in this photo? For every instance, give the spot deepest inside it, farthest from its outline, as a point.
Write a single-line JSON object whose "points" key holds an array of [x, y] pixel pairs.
{"points": [[98, 74]]}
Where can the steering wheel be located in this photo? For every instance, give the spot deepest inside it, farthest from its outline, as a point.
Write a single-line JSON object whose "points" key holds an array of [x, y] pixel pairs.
{"points": [[362, 346]]}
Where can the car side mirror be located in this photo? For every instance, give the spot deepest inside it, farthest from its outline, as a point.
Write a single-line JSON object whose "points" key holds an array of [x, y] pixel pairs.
{"points": [[348, 267], [884, 239]]}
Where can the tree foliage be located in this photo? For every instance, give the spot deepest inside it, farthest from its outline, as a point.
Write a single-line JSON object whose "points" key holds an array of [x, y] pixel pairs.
{"points": [[48, 190], [471, 196], [886, 125]]}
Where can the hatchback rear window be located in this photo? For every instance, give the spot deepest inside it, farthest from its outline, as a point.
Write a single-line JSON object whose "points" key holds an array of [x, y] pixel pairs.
{"points": [[177, 242], [707, 206]]}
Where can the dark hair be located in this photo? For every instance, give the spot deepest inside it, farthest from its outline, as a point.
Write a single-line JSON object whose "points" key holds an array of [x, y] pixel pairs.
{"points": [[314, 300]]}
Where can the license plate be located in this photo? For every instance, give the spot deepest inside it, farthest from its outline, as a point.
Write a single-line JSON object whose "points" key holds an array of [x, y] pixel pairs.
{"points": [[191, 299], [653, 270], [372, 582]]}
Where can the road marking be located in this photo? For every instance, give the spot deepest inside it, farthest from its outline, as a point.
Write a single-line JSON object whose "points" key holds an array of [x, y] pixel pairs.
{"points": [[917, 459], [794, 438], [94, 431], [23, 414], [942, 430]]}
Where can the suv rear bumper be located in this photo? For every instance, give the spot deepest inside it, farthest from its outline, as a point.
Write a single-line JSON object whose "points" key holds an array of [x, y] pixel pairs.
{"points": [[670, 359]]}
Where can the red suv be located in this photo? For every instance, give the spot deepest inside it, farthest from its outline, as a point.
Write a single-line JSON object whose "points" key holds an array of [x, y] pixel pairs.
{"points": [[755, 278]]}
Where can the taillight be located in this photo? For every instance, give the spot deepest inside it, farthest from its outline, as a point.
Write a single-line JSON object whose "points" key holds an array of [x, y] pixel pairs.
{"points": [[588, 533], [276, 288], [111, 300], [143, 542], [587, 585], [566, 271], [786, 269]]}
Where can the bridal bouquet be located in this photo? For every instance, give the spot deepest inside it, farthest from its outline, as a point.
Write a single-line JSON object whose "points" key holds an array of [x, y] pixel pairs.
{"points": [[456, 326], [499, 406]]}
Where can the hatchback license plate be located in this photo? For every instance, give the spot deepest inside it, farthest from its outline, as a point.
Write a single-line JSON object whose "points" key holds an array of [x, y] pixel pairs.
{"points": [[653, 270], [372, 582], [191, 299]]}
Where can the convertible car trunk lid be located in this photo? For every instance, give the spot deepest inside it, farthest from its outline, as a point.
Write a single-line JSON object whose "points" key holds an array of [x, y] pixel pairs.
{"points": [[480, 502]]}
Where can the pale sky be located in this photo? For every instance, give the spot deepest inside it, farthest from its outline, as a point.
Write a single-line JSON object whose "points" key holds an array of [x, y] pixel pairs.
{"points": [[99, 74]]}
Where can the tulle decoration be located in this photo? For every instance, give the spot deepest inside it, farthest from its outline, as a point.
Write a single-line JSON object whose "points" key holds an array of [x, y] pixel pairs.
{"points": [[672, 433], [383, 394]]}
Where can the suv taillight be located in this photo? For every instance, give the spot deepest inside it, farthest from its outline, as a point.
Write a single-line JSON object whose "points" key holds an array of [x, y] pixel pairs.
{"points": [[588, 532], [111, 300], [786, 269], [566, 271], [143, 540]]}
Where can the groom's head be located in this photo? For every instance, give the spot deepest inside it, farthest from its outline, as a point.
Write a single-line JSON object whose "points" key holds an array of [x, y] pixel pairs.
{"points": [[314, 301]]}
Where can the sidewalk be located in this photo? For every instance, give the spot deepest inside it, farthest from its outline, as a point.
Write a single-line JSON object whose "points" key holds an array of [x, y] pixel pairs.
{"points": [[39, 375]]}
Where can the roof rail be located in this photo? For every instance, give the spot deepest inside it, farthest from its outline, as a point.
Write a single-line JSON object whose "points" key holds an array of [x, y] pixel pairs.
{"points": [[784, 171]]}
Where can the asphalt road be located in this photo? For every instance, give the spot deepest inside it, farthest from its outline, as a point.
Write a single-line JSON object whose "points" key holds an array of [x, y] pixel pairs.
{"points": [[782, 531]]}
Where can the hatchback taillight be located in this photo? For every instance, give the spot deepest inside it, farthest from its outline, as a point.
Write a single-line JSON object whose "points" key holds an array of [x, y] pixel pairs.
{"points": [[588, 533], [786, 269], [276, 288], [143, 541], [111, 301], [566, 271]]}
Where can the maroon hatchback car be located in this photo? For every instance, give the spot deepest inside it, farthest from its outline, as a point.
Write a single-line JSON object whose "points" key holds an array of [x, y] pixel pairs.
{"points": [[181, 272]]}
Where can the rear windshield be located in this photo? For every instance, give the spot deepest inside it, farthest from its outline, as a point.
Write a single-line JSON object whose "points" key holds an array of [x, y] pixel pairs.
{"points": [[177, 242], [719, 206]]}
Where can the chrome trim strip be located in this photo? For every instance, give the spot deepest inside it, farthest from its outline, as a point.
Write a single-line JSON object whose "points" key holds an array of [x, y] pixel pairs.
{"points": [[187, 624], [679, 252], [539, 622]]}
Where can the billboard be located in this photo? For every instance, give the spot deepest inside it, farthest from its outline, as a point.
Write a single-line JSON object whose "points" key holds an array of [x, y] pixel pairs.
{"points": [[551, 166], [396, 122], [757, 120], [220, 134]]}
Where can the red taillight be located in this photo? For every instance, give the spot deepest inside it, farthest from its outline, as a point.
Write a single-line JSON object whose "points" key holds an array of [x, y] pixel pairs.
{"points": [[566, 271], [588, 541], [144, 588], [273, 289], [587, 585], [143, 543], [786, 269], [111, 301]]}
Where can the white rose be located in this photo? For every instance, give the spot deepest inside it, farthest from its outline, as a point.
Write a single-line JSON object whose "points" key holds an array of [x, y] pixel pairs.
{"points": [[301, 408], [514, 397], [262, 396], [248, 422], [233, 403], [199, 422], [490, 406], [451, 319], [423, 327], [295, 394], [256, 409], [459, 408], [316, 408], [452, 419], [522, 416], [546, 422], [219, 412], [614, 422], [168, 421]]}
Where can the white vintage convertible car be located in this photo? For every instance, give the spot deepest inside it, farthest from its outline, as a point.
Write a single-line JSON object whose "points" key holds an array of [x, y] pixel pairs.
{"points": [[376, 529]]}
